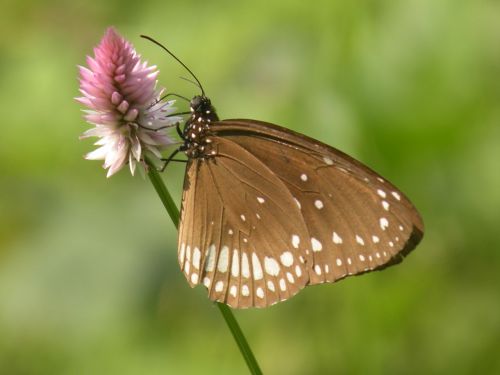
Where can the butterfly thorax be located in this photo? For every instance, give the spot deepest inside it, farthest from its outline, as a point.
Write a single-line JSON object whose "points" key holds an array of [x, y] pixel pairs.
{"points": [[198, 127]]}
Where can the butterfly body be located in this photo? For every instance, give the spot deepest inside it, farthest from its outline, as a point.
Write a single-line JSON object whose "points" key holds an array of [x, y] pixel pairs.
{"points": [[197, 128], [267, 211]]}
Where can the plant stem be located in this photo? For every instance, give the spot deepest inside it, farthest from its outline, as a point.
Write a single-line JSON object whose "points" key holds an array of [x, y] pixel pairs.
{"points": [[239, 337], [163, 193], [226, 312]]}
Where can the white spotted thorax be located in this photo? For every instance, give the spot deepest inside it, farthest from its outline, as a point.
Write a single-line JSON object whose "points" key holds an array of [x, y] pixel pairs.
{"points": [[196, 130], [266, 212]]}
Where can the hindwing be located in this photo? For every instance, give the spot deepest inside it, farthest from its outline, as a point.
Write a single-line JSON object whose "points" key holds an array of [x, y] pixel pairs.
{"points": [[241, 233]]}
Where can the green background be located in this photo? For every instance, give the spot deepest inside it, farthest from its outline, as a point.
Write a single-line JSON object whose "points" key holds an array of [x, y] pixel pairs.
{"points": [[89, 281]]}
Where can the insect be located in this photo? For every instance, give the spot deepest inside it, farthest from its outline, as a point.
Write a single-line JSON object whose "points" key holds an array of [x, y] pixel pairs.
{"points": [[267, 211]]}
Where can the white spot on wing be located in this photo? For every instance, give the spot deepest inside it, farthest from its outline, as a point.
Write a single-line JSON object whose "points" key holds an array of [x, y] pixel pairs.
{"points": [[286, 259], [290, 278], [298, 271], [257, 268], [336, 238], [196, 258], [233, 290], [375, 239], [282, 285], [361, 257], [260, 292], [223, 262], [260, 200], [235, 266], [381, 193], [385, 204], [317, 269], [270, 286], [295, 241], [243, 217], [316, 245], [271, 266], [194, 278], [245, 268], [206, 282], [396, 195], [360, 240], [219, 286], [210, 263], [303, 177], [339, 262], [245, 291], [327, 160], [319, 204], [384, 223]]}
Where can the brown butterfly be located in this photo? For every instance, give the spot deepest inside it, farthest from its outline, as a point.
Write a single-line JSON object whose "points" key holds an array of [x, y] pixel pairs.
{"points": [[267, 211]]}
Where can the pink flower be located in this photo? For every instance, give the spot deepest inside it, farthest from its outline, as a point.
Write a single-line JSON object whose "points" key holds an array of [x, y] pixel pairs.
{"points": [[129, 116]]}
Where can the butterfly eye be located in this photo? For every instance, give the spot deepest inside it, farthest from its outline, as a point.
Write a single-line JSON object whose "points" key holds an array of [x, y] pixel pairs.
{"points": [[196, 102], [200, 104]]}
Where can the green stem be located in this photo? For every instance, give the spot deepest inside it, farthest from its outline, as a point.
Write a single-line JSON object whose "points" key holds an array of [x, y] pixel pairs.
{"points": [[226, 312], [162, 191], [239, 337]]}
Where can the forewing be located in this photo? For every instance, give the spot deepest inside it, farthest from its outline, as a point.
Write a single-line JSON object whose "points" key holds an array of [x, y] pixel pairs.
{"points": [[356, 220], [242, 234]]}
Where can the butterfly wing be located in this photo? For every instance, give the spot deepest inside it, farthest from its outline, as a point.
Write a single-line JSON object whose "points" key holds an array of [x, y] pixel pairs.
{"points": [[356, 220], [241, 235], [272, 211]]}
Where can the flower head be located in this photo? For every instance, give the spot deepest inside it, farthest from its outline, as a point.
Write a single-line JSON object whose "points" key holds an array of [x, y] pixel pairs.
{"points": [[124, 106]]}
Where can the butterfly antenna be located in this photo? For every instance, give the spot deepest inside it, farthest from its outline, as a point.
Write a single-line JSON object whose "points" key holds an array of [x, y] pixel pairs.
{"points": [[177, 59], [191, 81]]}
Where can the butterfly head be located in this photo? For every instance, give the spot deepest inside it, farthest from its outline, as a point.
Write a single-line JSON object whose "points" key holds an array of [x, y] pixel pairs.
{"points": [[201, 107]]}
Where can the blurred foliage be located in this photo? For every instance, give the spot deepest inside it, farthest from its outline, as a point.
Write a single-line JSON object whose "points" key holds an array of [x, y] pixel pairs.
{"points": [[89, 282]]}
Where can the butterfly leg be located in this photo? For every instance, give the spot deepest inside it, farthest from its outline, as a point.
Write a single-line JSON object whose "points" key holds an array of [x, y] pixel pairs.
{"points": [[177, 124], [171, 158], [179, 130], [166, 96], [152, 129]]}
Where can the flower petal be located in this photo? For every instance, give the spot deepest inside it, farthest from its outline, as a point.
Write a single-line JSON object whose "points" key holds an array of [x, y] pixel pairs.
{"points": [[132, 163], [98, 154]]}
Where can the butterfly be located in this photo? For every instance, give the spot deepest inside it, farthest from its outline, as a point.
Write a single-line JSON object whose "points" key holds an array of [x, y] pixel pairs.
{"points": [[267, 211]]}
